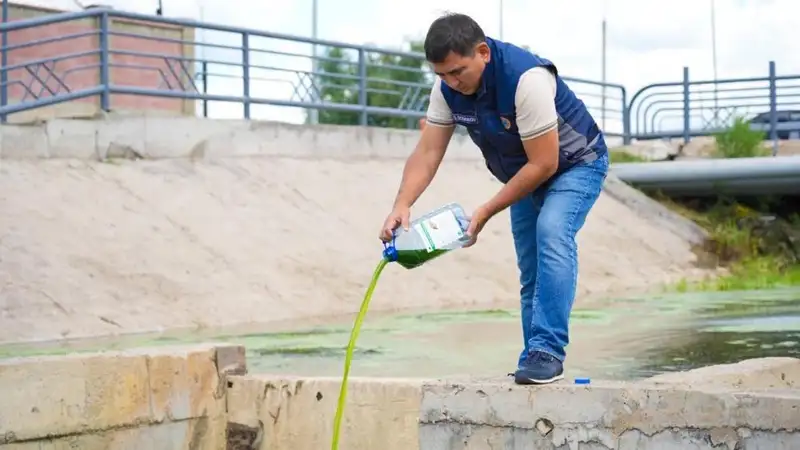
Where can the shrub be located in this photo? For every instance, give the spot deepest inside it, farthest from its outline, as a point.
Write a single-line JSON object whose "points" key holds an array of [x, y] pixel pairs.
{"points": [[740, 141]]}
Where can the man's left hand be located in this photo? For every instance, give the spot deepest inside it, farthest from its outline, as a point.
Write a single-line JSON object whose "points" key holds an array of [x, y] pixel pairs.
{"points": [[476, 224]]}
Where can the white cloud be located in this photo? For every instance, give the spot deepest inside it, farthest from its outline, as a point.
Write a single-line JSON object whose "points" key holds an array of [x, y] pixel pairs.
{"points": [[648, 42]]}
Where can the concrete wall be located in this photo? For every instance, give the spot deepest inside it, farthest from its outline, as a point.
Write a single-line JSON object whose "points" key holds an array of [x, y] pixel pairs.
{"points": [[164, 182], [76, 73], [201, 398], [152, 399], [153, 136], [751, 405]]}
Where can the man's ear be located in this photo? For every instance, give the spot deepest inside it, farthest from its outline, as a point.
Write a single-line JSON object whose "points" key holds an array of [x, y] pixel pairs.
{"points": [[484, 52]]}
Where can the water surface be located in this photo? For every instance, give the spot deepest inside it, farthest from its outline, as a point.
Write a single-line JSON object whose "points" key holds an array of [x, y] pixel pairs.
{"points": [[619, 339]]}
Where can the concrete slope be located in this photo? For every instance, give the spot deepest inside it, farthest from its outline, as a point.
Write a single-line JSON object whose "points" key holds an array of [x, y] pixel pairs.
{"points": [[230, 222]]}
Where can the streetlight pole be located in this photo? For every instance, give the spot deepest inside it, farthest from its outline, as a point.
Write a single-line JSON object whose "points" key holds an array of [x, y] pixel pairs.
{"points": [[714, 62], [501, 20], [604, 45], [314, 113], [603, 70], [4, 63]]}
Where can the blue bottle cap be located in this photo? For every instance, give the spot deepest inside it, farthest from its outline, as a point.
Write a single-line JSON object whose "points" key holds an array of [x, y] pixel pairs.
{"points": [[389, 251], [582, 381]]}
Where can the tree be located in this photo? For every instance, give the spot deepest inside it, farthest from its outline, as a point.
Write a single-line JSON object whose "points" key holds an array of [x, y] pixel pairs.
{"points": [[392, 81]]}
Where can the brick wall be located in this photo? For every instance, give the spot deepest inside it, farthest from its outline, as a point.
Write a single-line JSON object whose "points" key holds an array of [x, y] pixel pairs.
{"points": [[75, 73]]}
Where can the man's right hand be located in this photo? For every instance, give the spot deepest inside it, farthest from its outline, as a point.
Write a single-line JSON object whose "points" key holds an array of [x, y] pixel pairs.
{"points": [[398, 217]]}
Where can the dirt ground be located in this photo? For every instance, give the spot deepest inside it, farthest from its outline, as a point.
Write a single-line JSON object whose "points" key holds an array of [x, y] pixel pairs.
{"points": [[91, 248]]}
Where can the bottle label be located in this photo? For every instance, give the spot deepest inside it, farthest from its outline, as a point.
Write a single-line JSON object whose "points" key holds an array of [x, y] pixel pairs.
{"points": [[440, 230]]}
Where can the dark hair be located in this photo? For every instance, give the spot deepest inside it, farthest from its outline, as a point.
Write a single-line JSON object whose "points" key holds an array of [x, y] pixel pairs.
{"points": [[452, 32]]}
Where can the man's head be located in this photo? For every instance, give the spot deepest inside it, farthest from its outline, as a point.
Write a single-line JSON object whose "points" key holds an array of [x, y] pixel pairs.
{"points": [[456, 47]]}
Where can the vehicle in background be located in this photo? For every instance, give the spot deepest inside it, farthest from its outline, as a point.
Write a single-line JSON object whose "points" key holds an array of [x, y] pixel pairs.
{"points": [[788, 124]]}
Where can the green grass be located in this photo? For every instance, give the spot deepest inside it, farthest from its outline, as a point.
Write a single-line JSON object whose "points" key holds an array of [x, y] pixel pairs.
{"points": [[734, 245], [764, 272], [621, 156]]}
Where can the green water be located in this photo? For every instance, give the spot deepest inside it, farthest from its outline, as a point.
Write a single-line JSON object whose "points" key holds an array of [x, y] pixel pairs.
{"points": [[618, 338], [415, 258]]}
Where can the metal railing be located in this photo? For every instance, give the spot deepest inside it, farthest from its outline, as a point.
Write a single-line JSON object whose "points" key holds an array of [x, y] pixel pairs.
{"points": [[688, 108], [240, 72], [240, 66]]}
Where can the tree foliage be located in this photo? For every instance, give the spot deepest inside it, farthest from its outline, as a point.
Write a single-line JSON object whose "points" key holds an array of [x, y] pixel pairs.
{"points": [[393, 81]]}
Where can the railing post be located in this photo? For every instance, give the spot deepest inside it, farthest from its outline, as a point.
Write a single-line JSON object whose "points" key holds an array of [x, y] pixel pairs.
{"points": [[204, 69], [362, 85], [105, 76], [686, 123], [246, 73], [626, 119], [773, 108], [4, 64]]}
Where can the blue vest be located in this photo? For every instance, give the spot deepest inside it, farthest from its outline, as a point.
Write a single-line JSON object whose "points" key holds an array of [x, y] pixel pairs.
{"points": [[490, 114]]}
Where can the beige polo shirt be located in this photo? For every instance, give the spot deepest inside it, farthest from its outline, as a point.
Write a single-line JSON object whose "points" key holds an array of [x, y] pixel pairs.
{"points": [[534, 100]]}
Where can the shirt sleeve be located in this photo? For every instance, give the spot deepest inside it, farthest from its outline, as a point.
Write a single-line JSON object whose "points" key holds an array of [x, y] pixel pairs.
{"points": [[535, 102], [439, 113]]}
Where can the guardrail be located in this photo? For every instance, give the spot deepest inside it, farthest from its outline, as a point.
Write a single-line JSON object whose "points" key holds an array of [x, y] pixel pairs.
{"points": [[687, 108], [241, 72]]}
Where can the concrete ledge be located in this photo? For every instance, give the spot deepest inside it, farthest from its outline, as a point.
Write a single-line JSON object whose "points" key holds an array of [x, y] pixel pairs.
{"points": [[605, 416], [271, 413], [751, 374], [157, 137], [200, 398], [93, 400]]}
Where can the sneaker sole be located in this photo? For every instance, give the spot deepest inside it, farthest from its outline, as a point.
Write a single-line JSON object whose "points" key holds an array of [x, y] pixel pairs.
{"points": [[527, 380]]}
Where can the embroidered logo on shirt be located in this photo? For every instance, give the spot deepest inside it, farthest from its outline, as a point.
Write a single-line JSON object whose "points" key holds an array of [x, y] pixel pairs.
{"points": [[465, 119], [506, 123]]}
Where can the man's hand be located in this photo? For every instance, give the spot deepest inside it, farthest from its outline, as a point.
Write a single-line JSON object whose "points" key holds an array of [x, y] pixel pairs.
{"points": [[398, 217], [476, 224]]}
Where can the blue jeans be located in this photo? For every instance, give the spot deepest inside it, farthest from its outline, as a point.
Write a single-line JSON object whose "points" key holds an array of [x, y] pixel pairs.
{"points": [[544, 225]]}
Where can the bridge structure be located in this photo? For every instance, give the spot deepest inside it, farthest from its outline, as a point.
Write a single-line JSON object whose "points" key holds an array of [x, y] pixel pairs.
{"points": [[101, 59]]}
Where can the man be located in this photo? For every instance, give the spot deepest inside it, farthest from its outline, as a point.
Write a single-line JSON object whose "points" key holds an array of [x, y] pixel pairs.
{"points": [[540, 141]]}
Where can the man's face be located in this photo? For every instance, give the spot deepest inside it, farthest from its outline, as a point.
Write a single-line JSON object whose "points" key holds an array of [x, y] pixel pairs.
{"points": [[463, 73]]}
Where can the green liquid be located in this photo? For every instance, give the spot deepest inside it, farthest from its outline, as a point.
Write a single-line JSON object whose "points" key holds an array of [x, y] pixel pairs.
{"points": [[337, 421], [406, 258], [415, 258]]}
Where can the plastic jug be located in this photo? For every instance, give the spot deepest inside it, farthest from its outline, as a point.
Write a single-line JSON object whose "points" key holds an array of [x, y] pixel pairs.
{"points": [[429, 236]]}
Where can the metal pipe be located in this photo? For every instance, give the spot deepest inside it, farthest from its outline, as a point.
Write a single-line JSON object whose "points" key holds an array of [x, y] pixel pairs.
{"points": [[708, 170]]}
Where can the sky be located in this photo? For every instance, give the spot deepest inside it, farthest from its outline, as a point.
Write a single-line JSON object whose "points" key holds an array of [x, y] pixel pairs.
{"points": [[647, 41]]}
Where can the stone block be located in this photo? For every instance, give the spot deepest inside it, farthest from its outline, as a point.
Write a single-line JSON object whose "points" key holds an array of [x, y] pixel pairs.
{"points": [[91, 393], [23, 141], [185, 384], [603, 415], [70, 394], [298, 414]]}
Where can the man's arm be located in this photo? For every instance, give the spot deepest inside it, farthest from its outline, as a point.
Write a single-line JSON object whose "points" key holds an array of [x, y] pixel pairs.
{"points": [[537, 122], [424, 161]]}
